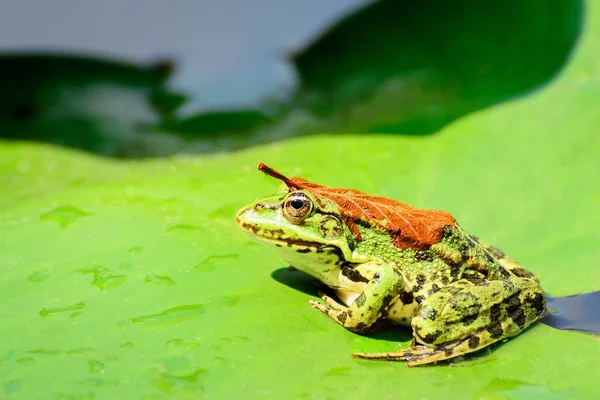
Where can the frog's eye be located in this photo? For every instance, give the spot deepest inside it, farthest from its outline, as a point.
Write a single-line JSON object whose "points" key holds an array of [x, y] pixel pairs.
{"points": [[297, 207]]}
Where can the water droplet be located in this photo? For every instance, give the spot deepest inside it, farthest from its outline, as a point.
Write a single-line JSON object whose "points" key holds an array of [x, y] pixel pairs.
{"points": [[12, 387], [46, 352], [210, 263], [64, 216], [179, 384], [192, 345], [135, 250], [174, 343], [96, 366], [109, 282], [48, 312], [39, 276], [183, 228], [127, 345], [172, 316], [159, 279], [6, 357], [103, 279], [26, 361], [231, 300], [220, 360], [125, 265]]}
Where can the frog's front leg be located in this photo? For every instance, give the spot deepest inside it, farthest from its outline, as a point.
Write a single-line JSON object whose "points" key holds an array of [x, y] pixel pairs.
{"points": [[465, 316], [383, 286]]}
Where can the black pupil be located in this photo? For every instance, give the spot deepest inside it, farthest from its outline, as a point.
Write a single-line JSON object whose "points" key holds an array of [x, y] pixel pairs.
{"points": [[297, 203]]}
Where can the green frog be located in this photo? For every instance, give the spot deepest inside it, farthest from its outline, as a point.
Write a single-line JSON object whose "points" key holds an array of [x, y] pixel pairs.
{"points": [[387, 261]]}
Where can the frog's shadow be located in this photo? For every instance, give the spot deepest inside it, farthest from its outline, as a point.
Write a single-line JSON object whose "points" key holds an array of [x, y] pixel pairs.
{"points": [[305, 283]]}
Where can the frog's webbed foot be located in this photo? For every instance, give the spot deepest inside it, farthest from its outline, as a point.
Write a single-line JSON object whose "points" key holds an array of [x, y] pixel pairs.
{"points": [[331, 308], [330, 302], [464, 317], [421, 354]]}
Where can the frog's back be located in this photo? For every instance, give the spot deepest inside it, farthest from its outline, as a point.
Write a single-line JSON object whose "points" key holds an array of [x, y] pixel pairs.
{"points": [[473, 258]]}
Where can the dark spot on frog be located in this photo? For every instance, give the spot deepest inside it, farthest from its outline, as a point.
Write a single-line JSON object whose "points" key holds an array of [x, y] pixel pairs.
{"points": [[496, 252], [421, 279], [353, 274], [464, 252], [489, 257], [473, 342], [445, 280], [406, 297], [518, 318], [342, 317], [447, 351], [434, 288], [361, 327], [475, 238], [304, 250], [278, 233], [277, 244], [470, 242], [454, 270], [538, 303], [423, 256], [419, 299], [468, 319], [385, 303], [496, 331], [360, 300], [431, 337], [495, 312], [512, 303], [250, 227], [329, 230]]}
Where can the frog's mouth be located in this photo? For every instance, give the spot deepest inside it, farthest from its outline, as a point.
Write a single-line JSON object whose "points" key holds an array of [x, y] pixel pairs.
{"points": [[294, 244]]}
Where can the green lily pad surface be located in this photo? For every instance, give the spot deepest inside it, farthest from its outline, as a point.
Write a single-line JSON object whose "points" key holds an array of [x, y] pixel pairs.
{"points": [[130, 280]]}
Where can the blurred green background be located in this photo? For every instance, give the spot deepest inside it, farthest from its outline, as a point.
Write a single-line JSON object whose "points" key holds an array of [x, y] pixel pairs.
{"points": [[124, 275]]}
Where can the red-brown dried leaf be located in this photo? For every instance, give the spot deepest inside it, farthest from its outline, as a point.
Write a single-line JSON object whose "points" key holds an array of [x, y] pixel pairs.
{"points": [[409, 227]]}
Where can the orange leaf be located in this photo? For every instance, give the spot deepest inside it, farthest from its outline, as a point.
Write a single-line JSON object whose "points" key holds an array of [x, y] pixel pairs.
{"points": [[409, 227]]}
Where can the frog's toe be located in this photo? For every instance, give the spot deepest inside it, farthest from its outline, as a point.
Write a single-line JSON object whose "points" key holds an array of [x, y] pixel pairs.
{"points": [[319, 306], [410, 355], [330, 301]]}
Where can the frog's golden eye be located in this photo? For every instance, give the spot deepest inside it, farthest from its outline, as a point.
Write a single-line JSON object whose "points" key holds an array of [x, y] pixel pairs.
{"points": [[297, 207]]}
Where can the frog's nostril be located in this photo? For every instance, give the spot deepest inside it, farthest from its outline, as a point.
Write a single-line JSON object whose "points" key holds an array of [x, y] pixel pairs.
{"points": [[259, 206]]}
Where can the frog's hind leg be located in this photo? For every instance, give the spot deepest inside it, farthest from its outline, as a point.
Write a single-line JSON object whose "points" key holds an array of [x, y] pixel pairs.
{"points": [[423, 354], [464, 317]]}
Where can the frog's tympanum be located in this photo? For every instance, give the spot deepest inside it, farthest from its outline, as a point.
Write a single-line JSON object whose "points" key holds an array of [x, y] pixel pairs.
{"points": [[388, 261]]}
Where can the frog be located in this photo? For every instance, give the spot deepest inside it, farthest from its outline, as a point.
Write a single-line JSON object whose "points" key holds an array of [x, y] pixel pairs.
{"points": [[388, 262]]}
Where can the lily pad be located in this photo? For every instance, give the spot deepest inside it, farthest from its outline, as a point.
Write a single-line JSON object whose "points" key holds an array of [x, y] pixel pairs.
{"points": [[130, 279]]}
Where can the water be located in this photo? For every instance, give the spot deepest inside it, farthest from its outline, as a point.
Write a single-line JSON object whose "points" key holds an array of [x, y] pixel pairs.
{"points": [[578, 312]]}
